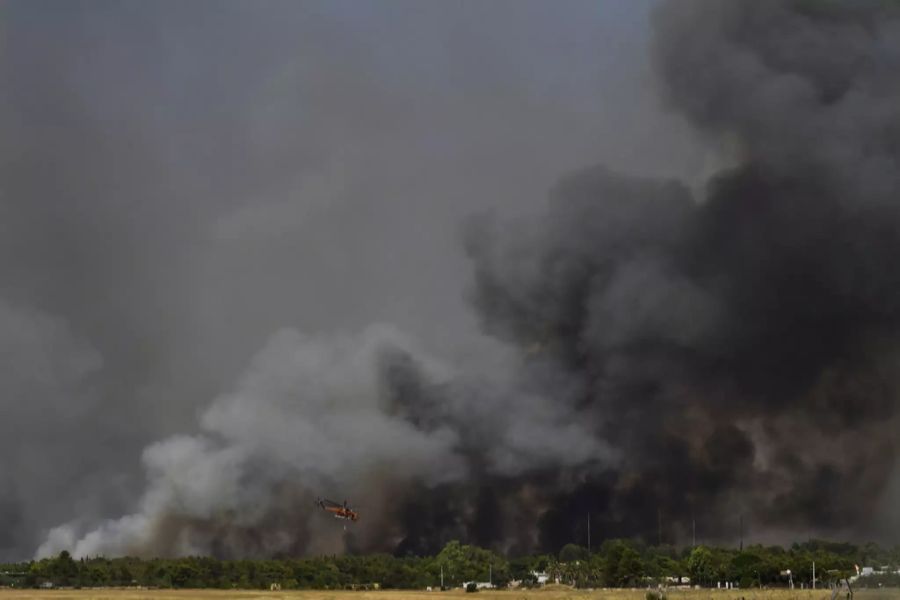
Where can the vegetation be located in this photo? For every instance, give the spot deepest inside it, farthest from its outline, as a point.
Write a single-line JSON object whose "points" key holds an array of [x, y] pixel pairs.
{"points": [[547, 593], [617, 563]]}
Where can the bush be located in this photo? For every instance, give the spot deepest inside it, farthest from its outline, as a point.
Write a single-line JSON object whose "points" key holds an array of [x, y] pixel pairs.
{"points": [[471, 587]]}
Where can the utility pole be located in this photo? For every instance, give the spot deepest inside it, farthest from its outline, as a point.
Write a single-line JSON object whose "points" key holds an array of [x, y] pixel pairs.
{"points": [[490, 576], [442, 577], [742, 532], [589, 532], [814, 575]]}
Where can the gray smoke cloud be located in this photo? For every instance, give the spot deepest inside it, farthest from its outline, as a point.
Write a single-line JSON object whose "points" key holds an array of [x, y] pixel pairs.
{"points": [[179, 182], [308, 415], [46, 370], [651, 353]]}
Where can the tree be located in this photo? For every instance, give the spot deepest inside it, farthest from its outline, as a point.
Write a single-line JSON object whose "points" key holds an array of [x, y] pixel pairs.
{"points": [[700, 565], [617, 563], [521, 569], [631, 569], [572, 553], [469, 563], [622, 565], [63, 570], [745, 569]]}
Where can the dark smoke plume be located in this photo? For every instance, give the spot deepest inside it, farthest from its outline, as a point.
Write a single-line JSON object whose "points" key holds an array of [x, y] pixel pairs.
{"points": [[741, 353], [663, 357]]}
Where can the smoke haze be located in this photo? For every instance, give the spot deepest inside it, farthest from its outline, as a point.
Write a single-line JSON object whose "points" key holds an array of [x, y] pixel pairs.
{"points": [[232, 277]]}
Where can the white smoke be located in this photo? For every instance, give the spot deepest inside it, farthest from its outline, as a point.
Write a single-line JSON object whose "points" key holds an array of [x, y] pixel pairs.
{"points": [[320, 413], [310, 409]]}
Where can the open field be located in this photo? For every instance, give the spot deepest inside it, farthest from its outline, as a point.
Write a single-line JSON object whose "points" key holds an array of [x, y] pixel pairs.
{"points": [[549, 594]]}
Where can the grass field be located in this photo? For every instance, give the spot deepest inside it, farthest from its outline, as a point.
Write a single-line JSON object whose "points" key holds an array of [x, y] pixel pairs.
{"points": [[559, 593]]}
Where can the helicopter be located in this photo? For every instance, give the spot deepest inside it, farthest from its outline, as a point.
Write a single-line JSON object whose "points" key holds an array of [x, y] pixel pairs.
{"points": [[340, 511]]}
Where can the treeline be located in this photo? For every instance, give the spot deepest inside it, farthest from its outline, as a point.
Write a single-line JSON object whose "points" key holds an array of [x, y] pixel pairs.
{"points": [[617, 563]]}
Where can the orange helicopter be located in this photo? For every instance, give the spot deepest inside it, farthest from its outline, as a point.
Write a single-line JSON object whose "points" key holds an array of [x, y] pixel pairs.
{"points": [[340, 511]]}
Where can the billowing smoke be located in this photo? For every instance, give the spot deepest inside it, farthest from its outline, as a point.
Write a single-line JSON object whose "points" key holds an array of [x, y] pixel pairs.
{"points": [[740, 352], [308, 415], [179, 182], [654, 357], [366, 416]]}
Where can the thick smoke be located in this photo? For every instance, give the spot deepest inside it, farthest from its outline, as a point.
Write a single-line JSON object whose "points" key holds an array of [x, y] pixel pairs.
{"points": [[740, 353], [179, 181], [654, 357], [367, 416]]}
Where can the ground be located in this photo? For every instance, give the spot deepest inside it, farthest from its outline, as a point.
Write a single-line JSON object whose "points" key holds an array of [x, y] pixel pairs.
{"points": [[560, 593]]}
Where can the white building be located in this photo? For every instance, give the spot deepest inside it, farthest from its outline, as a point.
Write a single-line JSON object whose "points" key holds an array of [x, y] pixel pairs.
{"points": [[541, 577]]}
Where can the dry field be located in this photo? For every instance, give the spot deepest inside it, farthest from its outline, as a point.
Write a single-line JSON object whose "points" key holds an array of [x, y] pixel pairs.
{"points": [[559, 593]]}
